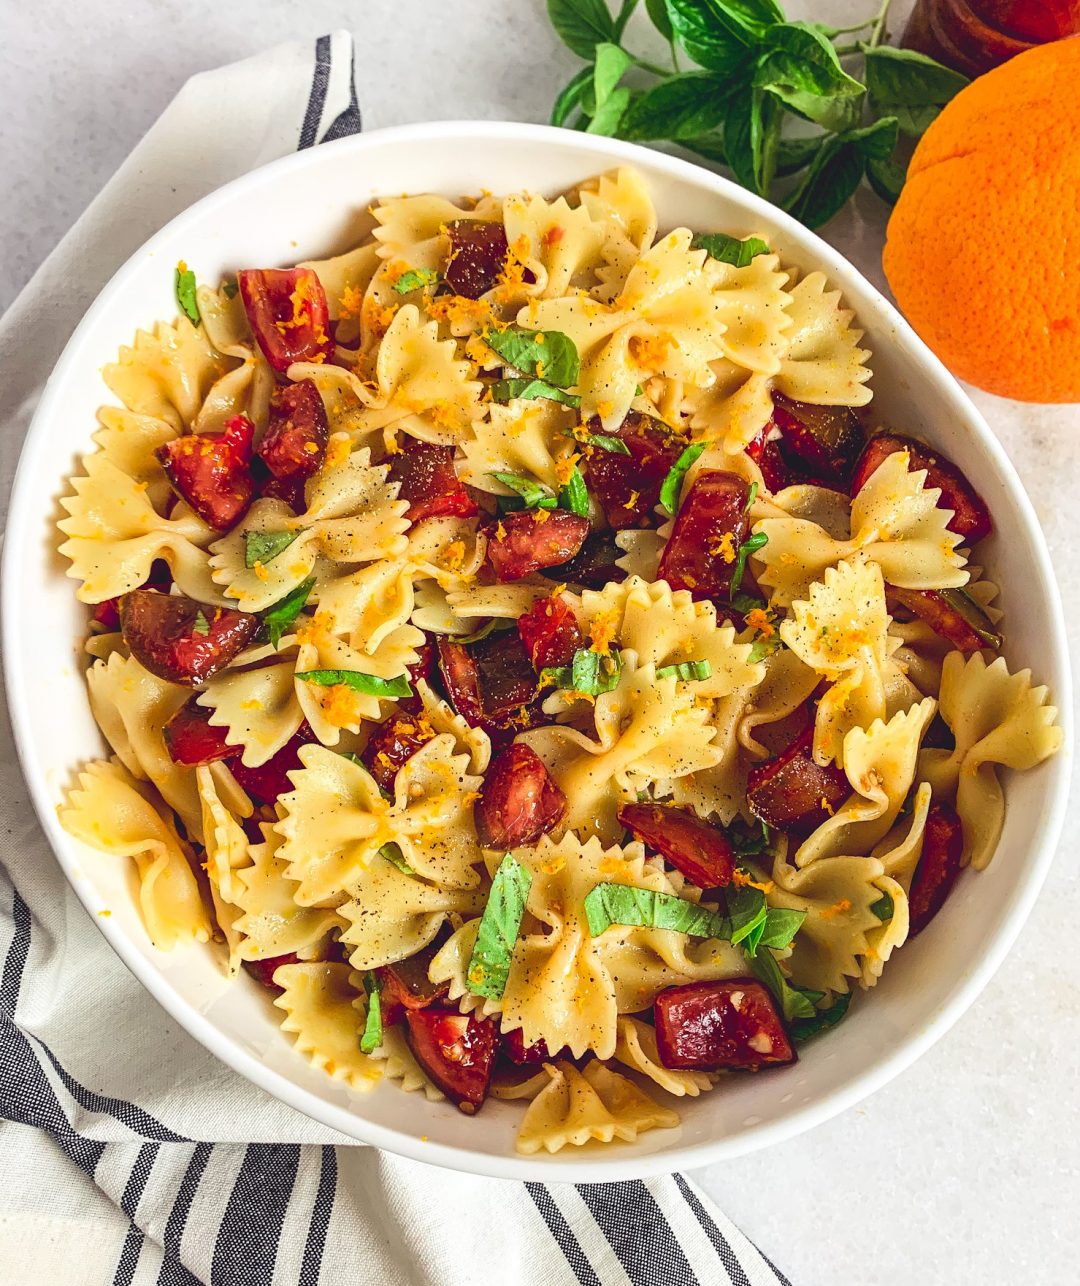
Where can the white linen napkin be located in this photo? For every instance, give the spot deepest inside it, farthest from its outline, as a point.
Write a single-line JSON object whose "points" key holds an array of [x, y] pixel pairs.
{"points": [[131, 1155]]}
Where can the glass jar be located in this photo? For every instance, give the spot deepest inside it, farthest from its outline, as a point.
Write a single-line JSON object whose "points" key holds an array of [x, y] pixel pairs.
{"points": [[974, 35]]}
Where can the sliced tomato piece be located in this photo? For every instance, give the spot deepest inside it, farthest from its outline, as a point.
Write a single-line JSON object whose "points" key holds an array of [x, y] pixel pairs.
{"points": [[269, 780], [191, 738], [593, 566], [764, 450], [263, 970], [522, 1055], [461, 678], [492, 683], [457, 1051], [392, 744], [717, 1026], [288, 314], [477, 258], [294, 444], [703, 853], [519, 800], [953, 614], [793, 792], [821, 443], [211, 472], [406, 985], [180, 640], [531, 539], [938, 868], [425, 471], [704, 544], [628, 486], [550, 632], [971, 515]]}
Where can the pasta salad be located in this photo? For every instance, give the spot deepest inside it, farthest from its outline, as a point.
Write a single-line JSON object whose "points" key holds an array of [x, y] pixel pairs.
{"points": [[524, 653]]}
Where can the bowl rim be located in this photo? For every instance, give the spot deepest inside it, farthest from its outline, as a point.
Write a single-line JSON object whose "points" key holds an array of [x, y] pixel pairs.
{"points": [[575, 1168]]}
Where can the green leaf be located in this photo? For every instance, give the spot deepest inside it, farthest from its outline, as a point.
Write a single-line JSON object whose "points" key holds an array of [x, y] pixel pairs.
{"points": [[800, 66], [369, 684], [549, 355], [657, 11], [672, 485], [623, 16], [392, 852], [747, 840], [803, 1029], [749, 546], [200, 625], [883, 908], [608, 904], [752, 490], [372, 1037], [581, 24], [494, 626], [795, 154], [751, 137], [279, 616], [570, 96], [489, 964], [591, 673], [415, 278], [887, 178], [761, 648], [184, 287], [609, 114], [530, 389], [747, 910], [908, 85], [575, 494], [710, 146], [730, 249], [708, 41], [686, 671], [747, 20], [534, 494], [795, 1002], [264, 546], [683, 106], [780, 927], [611, 65], [602, 441]]}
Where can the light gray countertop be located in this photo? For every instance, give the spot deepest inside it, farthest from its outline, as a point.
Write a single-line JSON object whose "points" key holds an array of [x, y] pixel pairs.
{"points": [[966, 1169]]}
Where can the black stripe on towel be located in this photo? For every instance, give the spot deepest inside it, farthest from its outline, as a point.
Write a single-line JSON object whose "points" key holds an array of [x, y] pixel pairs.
{"points": [[320, 81], [247, 1241], [320, 1218], [349, 121], [129, 1203], [563, 1234], [640, 1236], [172, 1271], [720, 1243]]}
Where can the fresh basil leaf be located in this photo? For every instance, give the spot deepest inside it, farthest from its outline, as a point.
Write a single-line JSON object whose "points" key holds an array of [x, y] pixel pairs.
{"points": [[372, 1037], [574, 496], [489, 964], [602, 441], [883, 908], [795, 1002], [279, 616], [710, 146], [607, 118], [708, 42], [780, 927], [761, 648], [661, 20], [686, 671], [610, 66], [887, 178], [264, 546], [748, 20], [752, 490], [682, 106], [803, 1029], [200, 625], [534, 494], [581, 24], [590, 673], [745, 603], [623, 16], [751, 137], [369, 684], [530, 389], [608, 904], [672, 485], [749, 546], [570, 96], [494, 626], [184, 288], [834, 174], [795, 154], [392, 852], [747, 840], [415, 278], [909, 85], [549, 355], [730, 249], [798, 62], [747, 910]]}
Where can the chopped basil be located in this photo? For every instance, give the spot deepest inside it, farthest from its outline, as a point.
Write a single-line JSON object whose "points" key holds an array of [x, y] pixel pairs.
{"points": [[495, 624], [489, 965], [591, 673], [686, 671], [184, 286], [608, 904], [748, 840], [392, 853], [200, 625], [781, 926], [747, 603], [574, 496], [795, 1002], [373, 1036], [749, 546], [751, 496], [264, 546], [669, 492], [602, 441], [369, 684], [415, 278], [883, 908], [803, 1029], [761, 648], [280, 615], [534, 494], [545, 355], [730, 249], [748, 912], [530, 389]]}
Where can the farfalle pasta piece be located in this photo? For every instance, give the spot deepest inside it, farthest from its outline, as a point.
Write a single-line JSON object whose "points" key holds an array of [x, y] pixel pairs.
{"points": [[998, 719], [647, 729], [558, 244], [895, 522], [636, 1049], [451, 966], [754, 309], [335, 820], [129, 441], [109, 812], [226, 849], [786, 686], [404, 222], [167, 373], [245, 390], [256, 702], [528, 438], [721, 789], [320, 1014], [596, 1104]]}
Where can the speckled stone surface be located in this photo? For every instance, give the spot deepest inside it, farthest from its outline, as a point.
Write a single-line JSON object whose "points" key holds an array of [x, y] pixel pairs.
{"points": [[967, 1168]]}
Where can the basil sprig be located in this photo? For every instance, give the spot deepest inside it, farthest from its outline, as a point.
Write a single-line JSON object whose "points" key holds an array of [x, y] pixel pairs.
{"points": [[489, 964], [804, 1029], [372, 1036], [883, 908], [369, 684], [392, 853], [591, 673], [184, 287], [264, 546]]}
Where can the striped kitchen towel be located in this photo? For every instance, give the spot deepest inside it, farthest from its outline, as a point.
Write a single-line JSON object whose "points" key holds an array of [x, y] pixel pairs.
{"points": [[129, 1154]]}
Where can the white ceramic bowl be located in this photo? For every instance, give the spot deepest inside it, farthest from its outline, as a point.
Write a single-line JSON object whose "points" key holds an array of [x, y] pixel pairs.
{"points": [[306, 206]]}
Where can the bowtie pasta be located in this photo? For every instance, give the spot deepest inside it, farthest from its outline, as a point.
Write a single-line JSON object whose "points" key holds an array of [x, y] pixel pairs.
{"points": [[524, 653]]}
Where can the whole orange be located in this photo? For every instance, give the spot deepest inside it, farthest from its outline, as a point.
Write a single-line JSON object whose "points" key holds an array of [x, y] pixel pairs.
{"points": [[983, 248]]}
